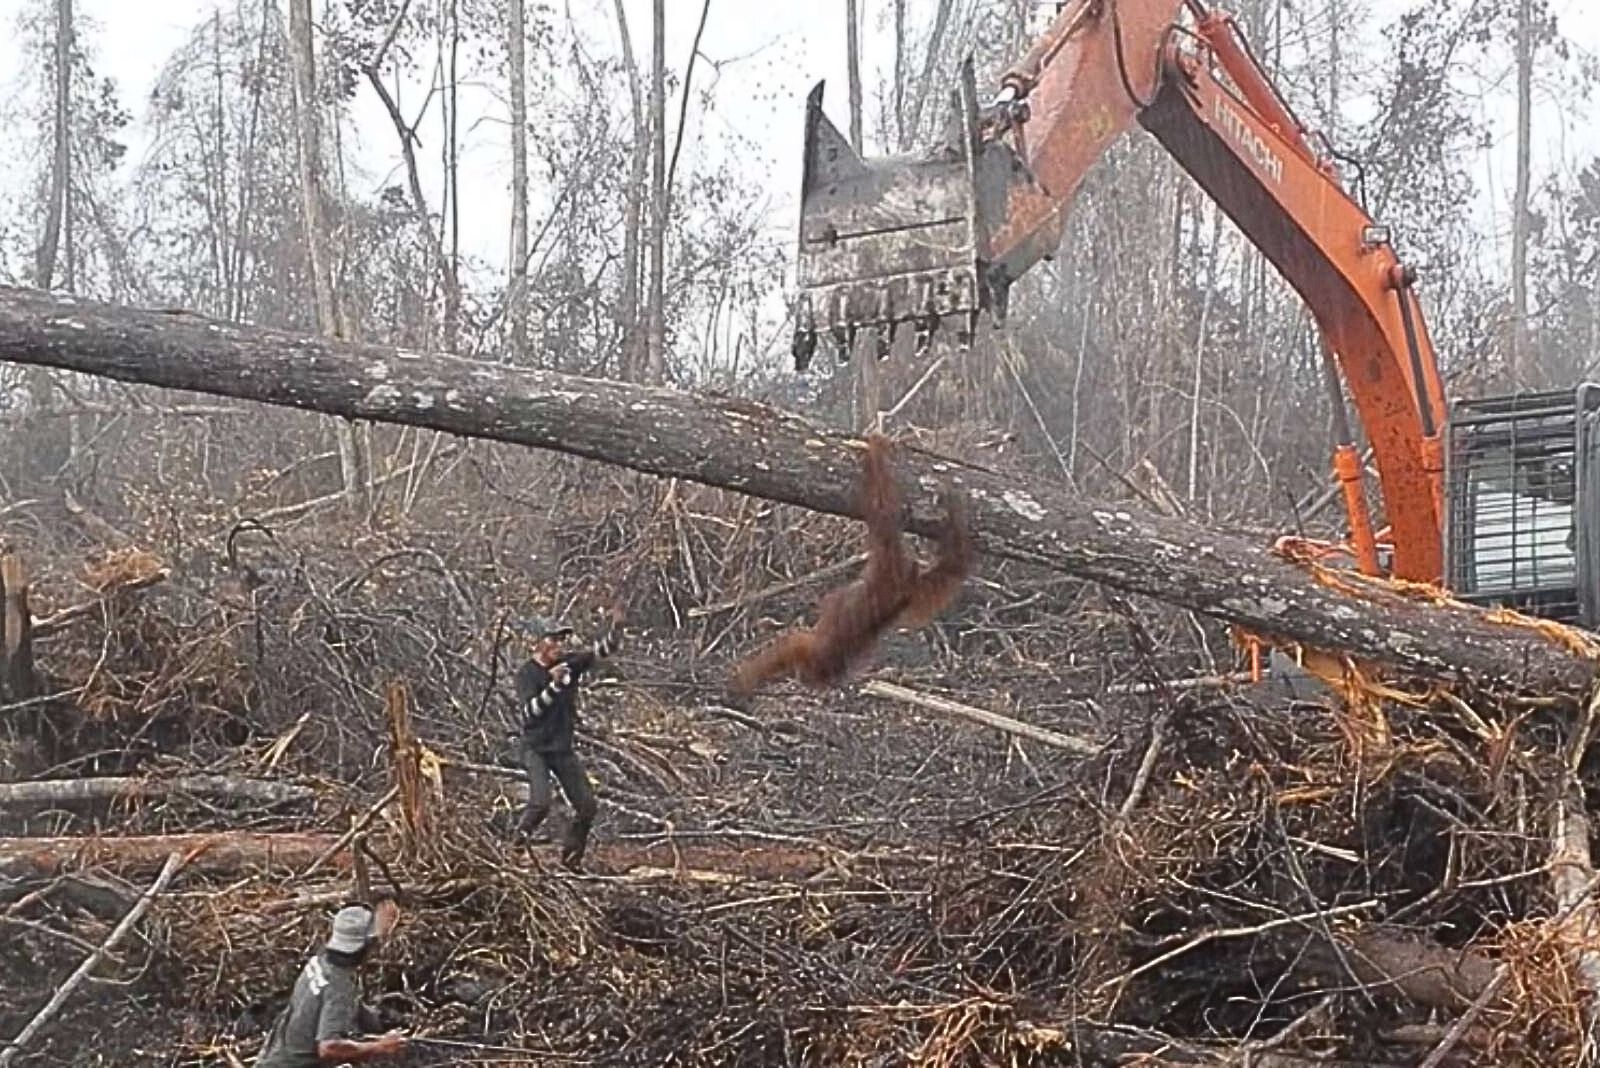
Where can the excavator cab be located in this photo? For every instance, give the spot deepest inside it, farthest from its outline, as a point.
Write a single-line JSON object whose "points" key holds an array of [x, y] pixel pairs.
{"points": [[897, 241], [1522, 500]]}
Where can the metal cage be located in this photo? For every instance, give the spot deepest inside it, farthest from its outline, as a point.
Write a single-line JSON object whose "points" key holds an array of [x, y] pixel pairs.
{"points": [[1520, 479]]}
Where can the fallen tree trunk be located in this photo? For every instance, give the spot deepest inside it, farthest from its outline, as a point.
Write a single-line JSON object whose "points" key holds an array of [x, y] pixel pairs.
{"points": [[766, 452], [223, 853], [73, 791]]}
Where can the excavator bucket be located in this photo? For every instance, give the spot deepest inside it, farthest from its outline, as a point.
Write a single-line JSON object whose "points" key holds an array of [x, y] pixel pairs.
{"points": [[899, 241]]}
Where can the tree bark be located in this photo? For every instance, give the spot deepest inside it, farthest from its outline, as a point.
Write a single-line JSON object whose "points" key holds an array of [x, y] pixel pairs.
{"points": [[222, 853], [656, 338], [767, 452], [308, 129], [517, 282], [75, 791]]}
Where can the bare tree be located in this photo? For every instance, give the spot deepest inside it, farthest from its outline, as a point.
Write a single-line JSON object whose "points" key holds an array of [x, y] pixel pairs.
{"points": [[452, 170], [1519, 205], [58, 211], [655, 370], [633, 205], [517, 284], [313, 200], [930, 59], [899, 91], [868, 381], [852, 19]]}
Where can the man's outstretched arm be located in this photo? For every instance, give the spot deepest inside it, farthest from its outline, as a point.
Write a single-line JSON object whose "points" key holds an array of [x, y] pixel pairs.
{"points": [[344, 1050], [567, 673]]}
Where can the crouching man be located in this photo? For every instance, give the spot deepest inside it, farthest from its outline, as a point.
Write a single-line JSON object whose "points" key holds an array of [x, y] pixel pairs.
{"points": [[324, 1016]]}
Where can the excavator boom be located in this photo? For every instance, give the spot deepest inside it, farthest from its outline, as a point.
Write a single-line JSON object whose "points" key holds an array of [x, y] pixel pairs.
{"points": [[943, 235]]}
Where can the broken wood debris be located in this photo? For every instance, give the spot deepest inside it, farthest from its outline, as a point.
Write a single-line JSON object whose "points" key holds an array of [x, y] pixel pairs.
{"points": [[946, 707], [222, 852]]}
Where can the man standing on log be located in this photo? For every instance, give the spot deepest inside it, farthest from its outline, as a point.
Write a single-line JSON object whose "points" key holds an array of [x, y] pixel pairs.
{"points": [[325, 1013], [547, 693]]}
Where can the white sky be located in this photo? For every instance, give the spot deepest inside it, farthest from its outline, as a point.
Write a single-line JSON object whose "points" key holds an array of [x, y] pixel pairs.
{"points": [[763, 57]]}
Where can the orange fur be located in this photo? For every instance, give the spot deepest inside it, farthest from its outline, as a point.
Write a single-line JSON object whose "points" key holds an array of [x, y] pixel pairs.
{"points": [[891, 590]]}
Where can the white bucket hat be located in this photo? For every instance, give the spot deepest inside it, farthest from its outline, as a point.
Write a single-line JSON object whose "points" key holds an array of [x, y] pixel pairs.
{"points": [[352, 929]]}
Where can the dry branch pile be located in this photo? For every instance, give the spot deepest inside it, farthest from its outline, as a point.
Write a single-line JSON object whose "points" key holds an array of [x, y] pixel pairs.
{"points": [[1232, 878]]}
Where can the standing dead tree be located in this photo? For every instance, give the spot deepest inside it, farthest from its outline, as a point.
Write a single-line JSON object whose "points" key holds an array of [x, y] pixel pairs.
{"points": [[319, 252], [767, 452]]}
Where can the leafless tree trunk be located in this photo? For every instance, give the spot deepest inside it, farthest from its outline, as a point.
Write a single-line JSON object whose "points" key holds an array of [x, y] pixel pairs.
{"points": [[452, 177], [419, 201], [59, 209], [633, 209], [1519, 206], [930, 60], [308, 128], [238, 299], [655, 371], [50, 453], [868, 380], [221, 235], [1336, 17], [517, 284], [1200, 355], [852, 18], [901, 137]]}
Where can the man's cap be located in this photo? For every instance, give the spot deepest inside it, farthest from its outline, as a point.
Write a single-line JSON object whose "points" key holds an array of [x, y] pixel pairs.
{"points": [[543, 627], [353, 928]]}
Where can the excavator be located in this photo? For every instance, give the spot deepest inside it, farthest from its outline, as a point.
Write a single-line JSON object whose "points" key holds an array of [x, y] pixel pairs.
{"points": [[1491, 498]]}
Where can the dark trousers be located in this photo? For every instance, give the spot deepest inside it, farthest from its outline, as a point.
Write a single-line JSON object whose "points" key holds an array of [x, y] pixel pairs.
{"points": [[568, 770]]}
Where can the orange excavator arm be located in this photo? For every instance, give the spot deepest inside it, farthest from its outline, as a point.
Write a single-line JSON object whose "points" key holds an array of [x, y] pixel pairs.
{"points": [[940, 237]]}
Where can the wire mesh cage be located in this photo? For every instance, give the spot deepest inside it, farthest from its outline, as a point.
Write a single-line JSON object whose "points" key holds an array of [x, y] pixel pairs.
{"points": [[1512, 485]]}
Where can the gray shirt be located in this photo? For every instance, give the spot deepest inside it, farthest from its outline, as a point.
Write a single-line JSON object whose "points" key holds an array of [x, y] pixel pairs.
{"points": [[325, 1005]]}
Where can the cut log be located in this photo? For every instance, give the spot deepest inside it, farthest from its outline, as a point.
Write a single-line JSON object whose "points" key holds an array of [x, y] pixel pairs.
{"points": [[78, 791], [766, 452], [224, 853]]}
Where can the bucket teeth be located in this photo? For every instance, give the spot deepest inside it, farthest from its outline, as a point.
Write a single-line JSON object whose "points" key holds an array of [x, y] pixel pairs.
{"points": [[844, 341], [965, 327], [883, 341], [902, 239]]}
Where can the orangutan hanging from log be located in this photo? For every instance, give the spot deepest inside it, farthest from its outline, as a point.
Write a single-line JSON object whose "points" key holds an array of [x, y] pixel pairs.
{"points": [[892, 590]]}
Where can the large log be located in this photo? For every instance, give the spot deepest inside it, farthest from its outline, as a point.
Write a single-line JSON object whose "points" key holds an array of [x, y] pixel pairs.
{"points": [[222, 853], [770, 453], [77, 791]]}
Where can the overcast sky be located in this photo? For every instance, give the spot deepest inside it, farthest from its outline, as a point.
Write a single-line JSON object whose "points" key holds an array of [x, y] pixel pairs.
{"points": [[759, 57]]}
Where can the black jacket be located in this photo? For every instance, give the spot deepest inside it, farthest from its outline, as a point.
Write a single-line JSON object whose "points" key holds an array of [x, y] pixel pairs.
{"points": [[549, 710]]}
